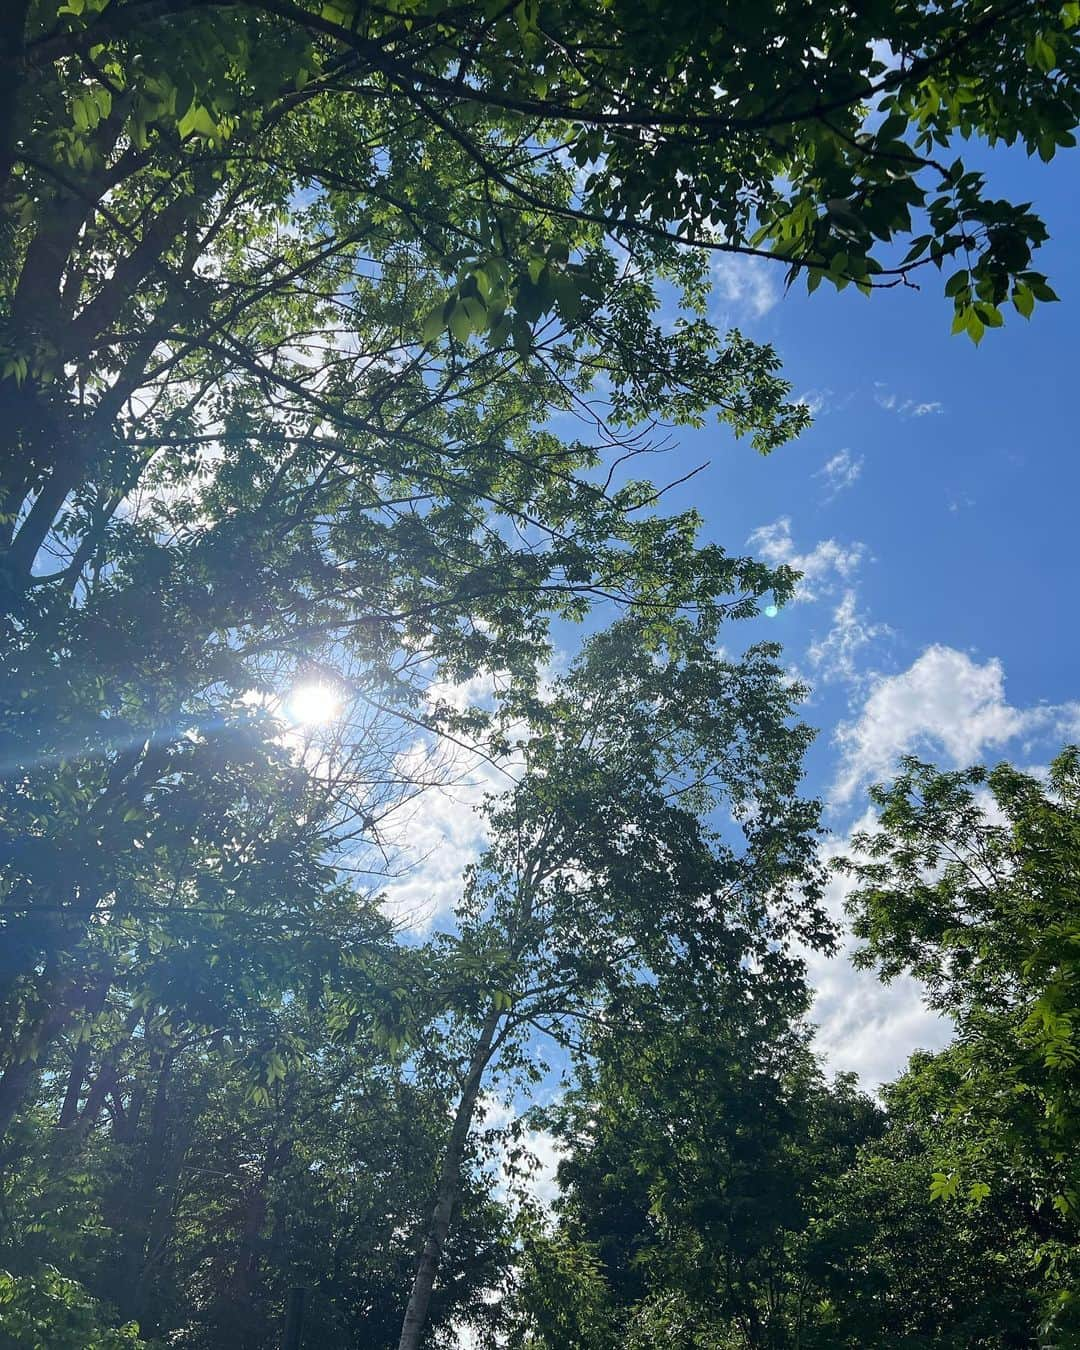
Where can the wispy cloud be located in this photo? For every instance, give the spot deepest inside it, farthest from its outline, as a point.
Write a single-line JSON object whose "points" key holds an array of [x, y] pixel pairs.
{"points": [[834, 657], [818, 401], [441, 829], [840, 472], [751, 286], [886, 398], [820, 566], [532, 1176]]}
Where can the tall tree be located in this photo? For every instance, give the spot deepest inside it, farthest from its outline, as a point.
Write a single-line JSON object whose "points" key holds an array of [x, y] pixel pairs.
{"points": [[970, 883], [234, 461], [888, 1266], [605, 869], [718, 1193], [699, 1145]]}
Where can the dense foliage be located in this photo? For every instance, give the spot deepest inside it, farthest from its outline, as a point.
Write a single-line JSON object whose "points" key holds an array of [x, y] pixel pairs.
{"points": [[717, 1192], [972, 884], [331, 335]]}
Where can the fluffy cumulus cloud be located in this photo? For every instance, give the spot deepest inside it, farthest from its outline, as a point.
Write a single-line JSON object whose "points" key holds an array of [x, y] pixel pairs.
{"points": [[835, 656], [954, 709], [869, 1028], [840, 471], [945, 703], [821, 566], [748, 286]]}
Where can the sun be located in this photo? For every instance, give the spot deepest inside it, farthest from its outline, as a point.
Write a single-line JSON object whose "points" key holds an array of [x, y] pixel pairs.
{"points": [[313, 704]]}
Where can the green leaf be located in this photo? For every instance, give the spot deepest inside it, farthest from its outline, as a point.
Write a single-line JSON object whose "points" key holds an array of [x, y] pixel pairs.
{"points": [[197, 121], [434, 324], [944, 1185], [957, 283], [459, 322], [1023, 301], [989, 314]]}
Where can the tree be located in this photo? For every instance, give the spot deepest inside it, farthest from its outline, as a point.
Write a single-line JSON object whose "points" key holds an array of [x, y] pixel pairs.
{"points": [[301, 286], [233, 462], [717, 1193], [699, 1145], [970, 883], [50, 1305], [604, 872], [193, 1213], [176, 880], [890, 1267]]}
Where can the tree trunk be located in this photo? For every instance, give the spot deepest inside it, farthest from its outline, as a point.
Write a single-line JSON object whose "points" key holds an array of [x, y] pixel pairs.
{"points": [[153, 1193], [69, 1112], [416, 1314], [80, 1062], [14, 1085], [30, 1052]]}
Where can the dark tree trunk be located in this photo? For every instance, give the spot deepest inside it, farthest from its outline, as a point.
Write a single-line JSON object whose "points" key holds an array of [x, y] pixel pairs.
{"points": [[69, 1111], [15, 1084], [152, 1194]]}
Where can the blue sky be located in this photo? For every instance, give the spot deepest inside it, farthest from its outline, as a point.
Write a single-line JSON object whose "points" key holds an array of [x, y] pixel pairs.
{"points": [[933, 504]]}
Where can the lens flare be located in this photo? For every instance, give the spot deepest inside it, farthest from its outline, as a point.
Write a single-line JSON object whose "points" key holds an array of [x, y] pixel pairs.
{"points": [[313, 704]]}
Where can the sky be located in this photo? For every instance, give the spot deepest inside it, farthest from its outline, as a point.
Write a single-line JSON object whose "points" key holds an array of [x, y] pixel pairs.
{"points": [[932, 510], [932, 507]]}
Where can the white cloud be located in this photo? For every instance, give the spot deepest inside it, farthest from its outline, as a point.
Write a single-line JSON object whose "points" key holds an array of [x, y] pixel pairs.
{"points": [[864, 1026], [870, 1028], [437, 835], [840, 472], [834, 655], [955, 709], [944, 703], [749, 285], [826, 561], [440, 830], [532, 1177], [816, 401], [904, 407]]}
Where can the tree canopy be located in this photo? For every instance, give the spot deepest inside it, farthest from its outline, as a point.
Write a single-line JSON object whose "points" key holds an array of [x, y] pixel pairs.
{"points": [[333, 335], [970, 884]]}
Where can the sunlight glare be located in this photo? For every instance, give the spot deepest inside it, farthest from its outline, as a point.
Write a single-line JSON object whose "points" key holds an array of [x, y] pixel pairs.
{"points": [[313, 704]]}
